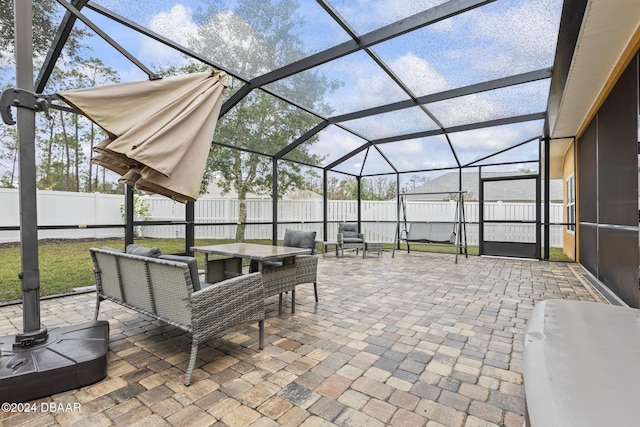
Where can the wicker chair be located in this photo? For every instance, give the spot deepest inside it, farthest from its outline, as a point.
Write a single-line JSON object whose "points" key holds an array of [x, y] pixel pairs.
{"points": [[283, 276], [306, 265], [349, 238], [278, 277]]}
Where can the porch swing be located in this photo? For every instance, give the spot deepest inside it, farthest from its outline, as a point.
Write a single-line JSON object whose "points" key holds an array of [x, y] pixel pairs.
{"points": [[432, 232]]}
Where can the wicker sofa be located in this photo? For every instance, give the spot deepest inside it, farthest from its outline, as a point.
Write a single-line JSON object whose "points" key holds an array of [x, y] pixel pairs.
{"points": [[167, 289]]}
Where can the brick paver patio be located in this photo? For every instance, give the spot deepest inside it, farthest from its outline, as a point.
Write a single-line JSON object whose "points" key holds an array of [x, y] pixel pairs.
{"points": [[414, 340]]}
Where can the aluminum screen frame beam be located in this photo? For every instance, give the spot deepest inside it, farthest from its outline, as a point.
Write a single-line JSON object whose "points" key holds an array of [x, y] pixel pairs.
{"points": [[57, 45], [410, 93], [390, 31], [449, 168], [108, 39], [395, 170], [241, 93], [500, 83], [522, 78], [461, 128], [348, 156], [453, 129], [406, 25], [473, 163], [161, 39], [310, 133], [411, 23]]}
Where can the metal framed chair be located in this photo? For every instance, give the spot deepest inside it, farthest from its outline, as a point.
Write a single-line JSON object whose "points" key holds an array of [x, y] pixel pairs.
{"points": [[350, 238]]}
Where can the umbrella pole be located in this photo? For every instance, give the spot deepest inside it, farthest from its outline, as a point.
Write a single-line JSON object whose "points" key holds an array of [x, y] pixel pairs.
{"points": [[36, 362], [30, 274]]}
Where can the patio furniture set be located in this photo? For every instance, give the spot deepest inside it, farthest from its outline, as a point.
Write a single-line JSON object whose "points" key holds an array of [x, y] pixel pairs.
{"points": [[349, 238], [168, 287]]}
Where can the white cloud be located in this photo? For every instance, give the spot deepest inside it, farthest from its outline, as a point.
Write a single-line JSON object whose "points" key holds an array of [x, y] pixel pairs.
{"points": [[334, 142], [525, 27], [372, 89], [368, 15], [177, 25], [422, 153], [394, 10], [475, 144], [405, 147], [488, 139], [526, 34], [419, 74], [132, 74], [468, 109], [435, 164], [364, 85], [492, 41]]}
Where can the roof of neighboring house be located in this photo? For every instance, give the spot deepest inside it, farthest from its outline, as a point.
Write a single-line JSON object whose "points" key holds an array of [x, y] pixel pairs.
{"points": [[512, 190]]}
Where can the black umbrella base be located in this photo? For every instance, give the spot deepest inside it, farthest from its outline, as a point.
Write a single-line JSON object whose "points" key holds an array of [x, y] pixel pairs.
{"points": [[71, 357]]}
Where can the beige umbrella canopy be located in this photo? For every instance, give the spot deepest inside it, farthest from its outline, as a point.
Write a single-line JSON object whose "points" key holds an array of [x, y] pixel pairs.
{"points": [[160, 131]]}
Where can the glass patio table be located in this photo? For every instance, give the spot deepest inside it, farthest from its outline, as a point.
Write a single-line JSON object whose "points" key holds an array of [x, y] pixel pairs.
{"points": [[220, 269]]}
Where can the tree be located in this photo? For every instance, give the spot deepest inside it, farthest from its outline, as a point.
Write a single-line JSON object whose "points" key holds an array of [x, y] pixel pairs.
{"points": [[61, 140], [341, 189], [260, 122], [528, 171], [141, 212], [92, 72], [8, 156], [43, 10], [378, 188], [45, 23], [60, 150]]}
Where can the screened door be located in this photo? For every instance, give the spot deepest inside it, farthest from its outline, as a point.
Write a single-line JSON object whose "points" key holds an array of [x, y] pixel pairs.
{"points": [[510, 216]]}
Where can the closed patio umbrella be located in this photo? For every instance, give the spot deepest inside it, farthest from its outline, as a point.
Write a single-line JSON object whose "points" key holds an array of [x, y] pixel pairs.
{"points": [[159, 131]]}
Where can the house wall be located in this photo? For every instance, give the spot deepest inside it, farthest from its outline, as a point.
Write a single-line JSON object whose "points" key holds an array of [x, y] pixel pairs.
{"points": [[569, 237], [607, 179]]}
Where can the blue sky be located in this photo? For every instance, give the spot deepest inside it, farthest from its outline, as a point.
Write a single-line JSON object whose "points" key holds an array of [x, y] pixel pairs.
{"points": [[503, 38]]}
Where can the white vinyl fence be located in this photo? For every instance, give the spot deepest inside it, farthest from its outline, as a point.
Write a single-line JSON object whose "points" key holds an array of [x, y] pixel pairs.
{"points": [[379, 217], [63, 208]]}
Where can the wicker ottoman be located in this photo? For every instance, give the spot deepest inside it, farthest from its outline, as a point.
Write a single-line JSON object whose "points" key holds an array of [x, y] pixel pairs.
{"points": [[373, 247]]}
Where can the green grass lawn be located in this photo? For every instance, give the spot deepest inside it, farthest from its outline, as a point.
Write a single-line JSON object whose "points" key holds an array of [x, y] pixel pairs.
{"points": [[66, 264]]}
